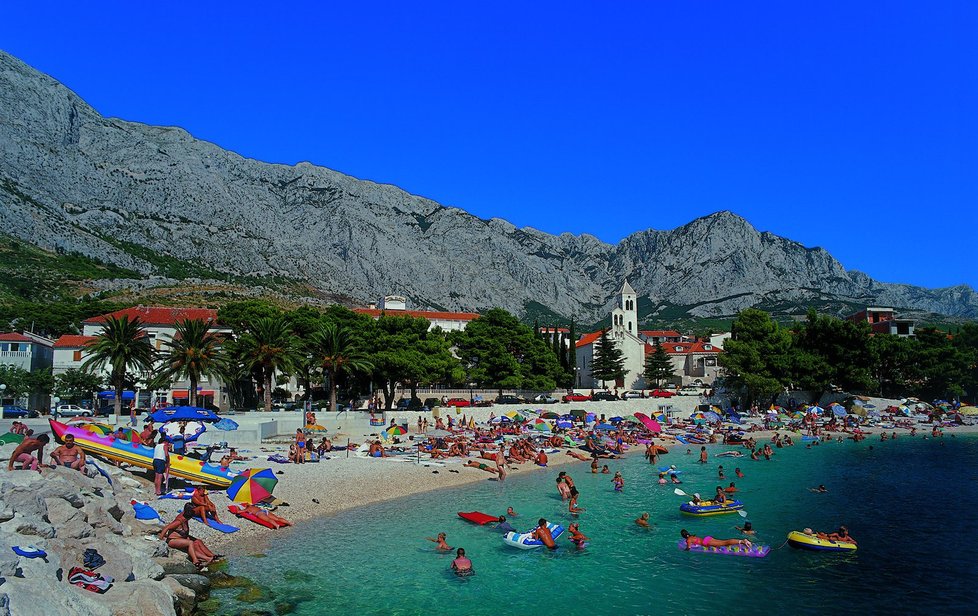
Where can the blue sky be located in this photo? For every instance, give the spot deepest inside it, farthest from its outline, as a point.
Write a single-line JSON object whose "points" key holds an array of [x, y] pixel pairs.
{"points": [[850, 126]]}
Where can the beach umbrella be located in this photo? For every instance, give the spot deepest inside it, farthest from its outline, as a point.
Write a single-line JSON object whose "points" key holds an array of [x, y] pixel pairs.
{"points": [[10, 437], [711, 416], [653, 426], [838, 411], [192, 431], [632, 419], [227, 425], [563, 423], [816, 409], [252, 486], [734, 417], [660, 417], [567, 416], [968, 410], [541, 427], [514, 415], [549, 415], [396, 431], [97, 428], [500, 419], [858, 410]]}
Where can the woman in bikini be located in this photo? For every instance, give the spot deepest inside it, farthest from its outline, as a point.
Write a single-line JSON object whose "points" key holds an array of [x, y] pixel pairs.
{"points": [[710, 542], [177, 536], [300, 446]]}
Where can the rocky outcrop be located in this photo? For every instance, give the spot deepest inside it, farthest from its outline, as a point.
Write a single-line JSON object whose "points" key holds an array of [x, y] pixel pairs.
{"points": [[64, 513], [147, 197]]}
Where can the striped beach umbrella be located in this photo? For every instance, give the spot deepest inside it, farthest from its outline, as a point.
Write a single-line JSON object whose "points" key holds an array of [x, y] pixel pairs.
{"points": [[253, 485], [396, 431]]}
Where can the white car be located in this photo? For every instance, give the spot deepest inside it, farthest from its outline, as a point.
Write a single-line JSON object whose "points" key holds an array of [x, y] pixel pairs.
{"points": [[71, 410], [689, 390], [631, 394]]}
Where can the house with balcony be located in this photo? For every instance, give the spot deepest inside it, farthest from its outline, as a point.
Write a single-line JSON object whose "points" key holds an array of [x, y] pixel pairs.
{"points": [[884, 321], [693, 362], [160, 325], [28, 352]]}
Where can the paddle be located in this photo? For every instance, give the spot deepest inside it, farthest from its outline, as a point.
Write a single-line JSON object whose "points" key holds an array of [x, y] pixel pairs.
{"points": [[679, 492]]}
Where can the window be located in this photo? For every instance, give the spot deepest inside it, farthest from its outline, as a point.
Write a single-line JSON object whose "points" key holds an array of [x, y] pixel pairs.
{"points": [[76, 356], [679, 349], [707, 347]]}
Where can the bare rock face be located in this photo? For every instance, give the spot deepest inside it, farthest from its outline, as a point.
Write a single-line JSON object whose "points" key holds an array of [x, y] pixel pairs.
{"points": [[125, 192]]}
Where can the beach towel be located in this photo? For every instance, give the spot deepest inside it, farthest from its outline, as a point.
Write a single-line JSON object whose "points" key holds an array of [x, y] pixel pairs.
{"points": [[29, 551], [224, 528], [178, 494], [143, 511], [279, 458], [89, 580]]}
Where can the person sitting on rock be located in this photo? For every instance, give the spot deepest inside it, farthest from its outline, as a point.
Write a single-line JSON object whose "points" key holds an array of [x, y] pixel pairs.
{"points": [[177, 536], [69, 454]]}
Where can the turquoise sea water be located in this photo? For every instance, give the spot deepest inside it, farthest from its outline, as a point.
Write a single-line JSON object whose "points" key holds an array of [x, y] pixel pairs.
{"points": [[909, 503]]}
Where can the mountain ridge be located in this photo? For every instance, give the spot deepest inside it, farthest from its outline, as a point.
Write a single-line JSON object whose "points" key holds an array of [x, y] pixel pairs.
{"points": [[143, 198]]}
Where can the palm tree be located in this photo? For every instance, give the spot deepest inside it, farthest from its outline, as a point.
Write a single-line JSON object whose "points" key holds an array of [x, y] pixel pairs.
{"points": [[122, 344], [268, 347], [336, 351], [194, 352]]}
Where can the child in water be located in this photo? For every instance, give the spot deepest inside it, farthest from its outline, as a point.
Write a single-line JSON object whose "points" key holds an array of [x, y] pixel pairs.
{"points": [[619, 482], [605, 470], [662, 479], [576, 536]]}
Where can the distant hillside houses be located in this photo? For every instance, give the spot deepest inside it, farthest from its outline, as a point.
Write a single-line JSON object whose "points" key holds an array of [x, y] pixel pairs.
{"points": [[396, 305], [694, 361]]}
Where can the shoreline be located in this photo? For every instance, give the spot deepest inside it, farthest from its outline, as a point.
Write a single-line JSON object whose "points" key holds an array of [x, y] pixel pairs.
{"points": [[364, 482]]}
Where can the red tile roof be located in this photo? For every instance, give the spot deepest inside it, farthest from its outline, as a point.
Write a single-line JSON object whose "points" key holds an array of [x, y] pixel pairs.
{"points": [[550, 330], [14, 337], [70, 341], [159, 316], [431, 315], [689, 347], [587, 339], [660, 333]]}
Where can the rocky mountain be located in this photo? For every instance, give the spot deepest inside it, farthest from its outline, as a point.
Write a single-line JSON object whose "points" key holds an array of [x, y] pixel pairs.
{"points": [[159, 202]]}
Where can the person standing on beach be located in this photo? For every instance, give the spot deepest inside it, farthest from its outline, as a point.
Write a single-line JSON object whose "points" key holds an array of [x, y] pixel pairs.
{"points": [[420, 425], [161, 462], [300, 446]]}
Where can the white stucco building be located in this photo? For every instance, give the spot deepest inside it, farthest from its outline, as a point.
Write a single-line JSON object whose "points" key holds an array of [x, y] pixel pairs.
{"points": [[624, 333], [396, 305]]}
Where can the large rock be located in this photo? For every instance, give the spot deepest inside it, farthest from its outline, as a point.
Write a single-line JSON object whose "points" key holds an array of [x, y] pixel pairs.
{"points": [[73, 180]]}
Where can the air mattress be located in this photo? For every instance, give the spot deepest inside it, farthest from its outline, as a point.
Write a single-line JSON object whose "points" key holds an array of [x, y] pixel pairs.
{"points": [[525, 541], [758, 551], [238, 510], [478, 517]]}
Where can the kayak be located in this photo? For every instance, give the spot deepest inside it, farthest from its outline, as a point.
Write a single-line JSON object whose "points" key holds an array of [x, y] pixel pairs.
{"points": [[800, 540], [124, 450], [478, 517], [706, 508]]}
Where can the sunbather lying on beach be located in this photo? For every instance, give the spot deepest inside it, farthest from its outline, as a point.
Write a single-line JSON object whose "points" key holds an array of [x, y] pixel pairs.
{"points": [[497, 470], [263, 515]]}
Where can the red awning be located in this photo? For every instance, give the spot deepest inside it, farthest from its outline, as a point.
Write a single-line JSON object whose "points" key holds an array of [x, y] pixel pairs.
{"points": [[183, 393]]}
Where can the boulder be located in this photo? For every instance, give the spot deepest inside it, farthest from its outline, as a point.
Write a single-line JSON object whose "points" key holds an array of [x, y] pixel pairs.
{"points": [[33, 525], [141, 598], [200, 584], [177, 563], [184, 597]]}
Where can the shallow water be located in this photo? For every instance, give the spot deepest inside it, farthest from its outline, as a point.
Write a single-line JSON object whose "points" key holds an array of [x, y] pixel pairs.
{"points": [[909, 503]]}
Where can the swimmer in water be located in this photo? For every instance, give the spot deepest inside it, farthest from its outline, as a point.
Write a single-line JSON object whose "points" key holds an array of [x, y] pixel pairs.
{"points": [[572, 505], [441, 546], [821, 489], [675, 479], [747, 529], [542, 533], [619, 482], [511, 513], [703, 455], [662, 479], [643, 520], [605, 470], [738, 473], [731, 489], [576, 536], [461, 565], [720, 472]]}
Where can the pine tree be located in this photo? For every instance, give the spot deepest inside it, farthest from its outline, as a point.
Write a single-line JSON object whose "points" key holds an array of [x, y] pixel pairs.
{"points": [[572, 353], [658, 366], [536, 327], [609, 360]]}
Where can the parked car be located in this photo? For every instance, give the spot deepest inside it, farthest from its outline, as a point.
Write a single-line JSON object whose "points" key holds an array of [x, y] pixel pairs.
{"points": [[662, 393], [72, 410], [409, 404], [459, 402], [544, 399], [509, 399], [17, 412], [575, 398], [431, 403], [628, 395], [605, 396], [689, 390]]}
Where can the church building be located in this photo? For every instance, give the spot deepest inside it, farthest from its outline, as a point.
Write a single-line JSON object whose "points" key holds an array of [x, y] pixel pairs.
{"points": [[625, 334]]}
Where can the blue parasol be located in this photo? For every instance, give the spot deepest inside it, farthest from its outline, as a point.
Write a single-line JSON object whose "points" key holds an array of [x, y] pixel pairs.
{"points": [[226, 425], [183, 413]]}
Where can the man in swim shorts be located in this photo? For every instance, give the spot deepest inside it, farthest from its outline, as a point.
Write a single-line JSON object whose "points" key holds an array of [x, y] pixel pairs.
{"points": [[542, 533], [69, 454]]}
